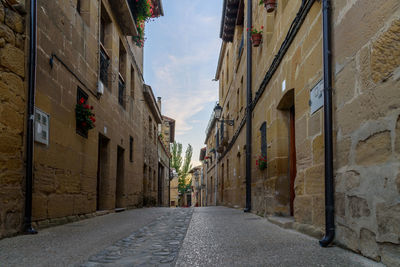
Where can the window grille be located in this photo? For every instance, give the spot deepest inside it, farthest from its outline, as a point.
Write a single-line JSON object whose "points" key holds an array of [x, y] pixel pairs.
{"points": [[121, 92], [104, 64]]}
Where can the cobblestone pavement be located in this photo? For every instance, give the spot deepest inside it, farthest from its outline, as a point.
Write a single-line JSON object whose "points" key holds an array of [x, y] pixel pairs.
{"points": [[211, 236], [156, 244], [72, 244], [219, 236]]}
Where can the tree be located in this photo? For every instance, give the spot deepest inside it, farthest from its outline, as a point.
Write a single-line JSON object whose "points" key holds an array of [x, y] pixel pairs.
{"points": [[182, 185], [176, 163], [176, 156]]}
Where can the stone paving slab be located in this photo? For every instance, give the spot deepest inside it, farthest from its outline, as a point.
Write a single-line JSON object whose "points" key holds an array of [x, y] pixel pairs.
{"points": [[219, 236], [72, 244], [156, 244]]}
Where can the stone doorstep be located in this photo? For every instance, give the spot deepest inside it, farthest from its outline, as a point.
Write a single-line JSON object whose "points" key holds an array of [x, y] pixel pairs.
{"points": [[283, 222], [289, 223]]}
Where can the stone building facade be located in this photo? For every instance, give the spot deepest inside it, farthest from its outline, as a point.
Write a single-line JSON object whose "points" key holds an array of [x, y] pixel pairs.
{"points": [[210, 162], [12, 117], [287, 119], [84, 51]]}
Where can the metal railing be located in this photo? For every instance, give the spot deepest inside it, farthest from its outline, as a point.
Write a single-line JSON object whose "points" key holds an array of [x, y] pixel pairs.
{"points": [[121, 92], [104, 64]]}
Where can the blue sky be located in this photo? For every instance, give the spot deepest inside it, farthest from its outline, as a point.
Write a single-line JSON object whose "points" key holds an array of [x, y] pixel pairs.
{"points": [[180, 60]]}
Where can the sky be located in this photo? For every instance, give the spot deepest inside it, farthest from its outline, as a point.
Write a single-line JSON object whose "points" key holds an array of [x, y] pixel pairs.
{"points": [[180, 60]]}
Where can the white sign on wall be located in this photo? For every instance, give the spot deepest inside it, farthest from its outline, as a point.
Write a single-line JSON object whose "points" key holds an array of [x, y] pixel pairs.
{"points": [[317, 97]]}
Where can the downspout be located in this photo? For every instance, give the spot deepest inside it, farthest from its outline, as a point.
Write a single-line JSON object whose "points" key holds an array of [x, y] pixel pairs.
{"points": [[248, 109], [30, 117], [329, 187]]}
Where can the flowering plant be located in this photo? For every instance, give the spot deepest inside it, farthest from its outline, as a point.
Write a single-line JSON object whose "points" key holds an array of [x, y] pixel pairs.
{"points": [[84, 115], [254, 30], [261, 162], [143, 12]]}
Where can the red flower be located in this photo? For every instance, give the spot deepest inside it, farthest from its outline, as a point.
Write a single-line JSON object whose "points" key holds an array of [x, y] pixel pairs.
{"points": [[86, 106], [82, 100], [262, 27]]}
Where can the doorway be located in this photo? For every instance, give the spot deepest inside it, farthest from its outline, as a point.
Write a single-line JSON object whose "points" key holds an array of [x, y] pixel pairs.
{"points": [[160, 186], [292, 157], [222, 183], [119, 183], [102, 172]]}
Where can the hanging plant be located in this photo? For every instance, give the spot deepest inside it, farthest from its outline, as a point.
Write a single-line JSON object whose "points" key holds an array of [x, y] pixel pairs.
{"points": [[270, 5], [84, 115], [256, 35], [142, 11], [261, 163]]}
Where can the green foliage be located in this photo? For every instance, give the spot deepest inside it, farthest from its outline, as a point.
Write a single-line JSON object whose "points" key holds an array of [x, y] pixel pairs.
{"points": [[176, 156], [84, 115], [176, 163], [142, 11]]}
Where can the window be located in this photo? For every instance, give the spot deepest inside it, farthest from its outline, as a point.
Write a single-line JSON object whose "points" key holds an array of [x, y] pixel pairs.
{"points": [[263, 130], [241, 94], [121, 91], [78, 6], [121, 75], [237, 103], [132, 82], [104, 56], [79, 95], [155, 134], [227, 67], [42, 121], [131, 149], [150, 128]]}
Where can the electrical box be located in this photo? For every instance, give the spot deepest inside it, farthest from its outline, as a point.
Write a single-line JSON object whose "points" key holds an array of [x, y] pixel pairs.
{"points": [[42, 127], [100, 88]]}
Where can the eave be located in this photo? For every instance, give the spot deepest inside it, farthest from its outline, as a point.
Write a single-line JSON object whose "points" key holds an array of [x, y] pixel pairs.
{"points": [[229, 15], [172, 128], [151, 102]]}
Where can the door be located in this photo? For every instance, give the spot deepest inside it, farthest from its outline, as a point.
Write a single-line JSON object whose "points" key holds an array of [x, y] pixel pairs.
{"points": [[160, 186], [119, 187], [102, 172], [292, 158]]}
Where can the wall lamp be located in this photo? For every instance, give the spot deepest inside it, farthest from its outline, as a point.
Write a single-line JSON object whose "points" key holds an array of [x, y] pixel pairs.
{"points": [[217, 115]]}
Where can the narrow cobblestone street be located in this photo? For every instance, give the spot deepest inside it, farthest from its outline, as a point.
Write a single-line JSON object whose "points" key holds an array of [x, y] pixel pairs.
{"points": [[212, 236]]}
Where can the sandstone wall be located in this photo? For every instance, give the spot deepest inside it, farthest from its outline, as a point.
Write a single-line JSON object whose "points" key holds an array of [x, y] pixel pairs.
{"points": [[367, 123], [65, 181], [366, 115], [12, 118]]}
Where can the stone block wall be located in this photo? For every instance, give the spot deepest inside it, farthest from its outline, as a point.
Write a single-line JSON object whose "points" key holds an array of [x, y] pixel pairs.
{"points": [[367, 123], [12, 120], [66, 171]]}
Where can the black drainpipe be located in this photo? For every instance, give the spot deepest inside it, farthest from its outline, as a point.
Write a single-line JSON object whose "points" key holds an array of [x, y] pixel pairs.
{"points": [[329, 187], [30, 118], [248, 109]]}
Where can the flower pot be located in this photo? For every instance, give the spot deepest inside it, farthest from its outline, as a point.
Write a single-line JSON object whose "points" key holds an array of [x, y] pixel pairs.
{"points": [[256, 39], [270, 5]]}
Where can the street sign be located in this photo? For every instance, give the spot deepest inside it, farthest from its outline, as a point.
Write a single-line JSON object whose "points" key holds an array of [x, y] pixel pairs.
{"points": [[317, 97]]}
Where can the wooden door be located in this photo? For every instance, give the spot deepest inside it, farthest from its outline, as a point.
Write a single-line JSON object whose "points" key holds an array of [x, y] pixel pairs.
{"points": [[292, 158]]}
